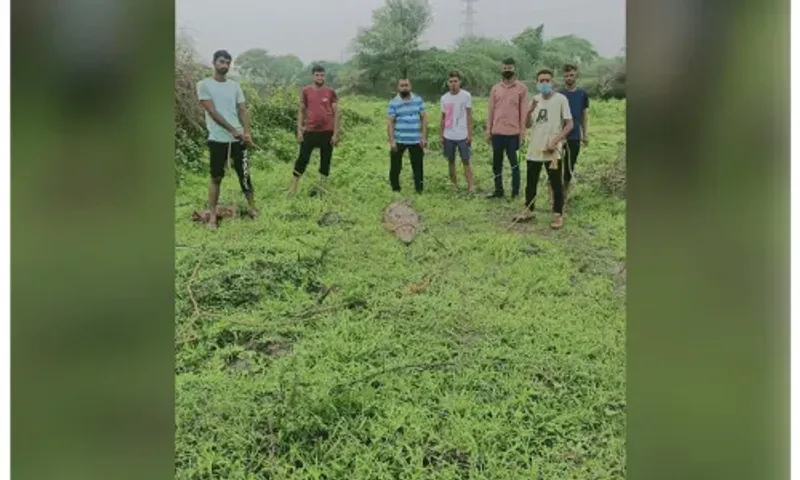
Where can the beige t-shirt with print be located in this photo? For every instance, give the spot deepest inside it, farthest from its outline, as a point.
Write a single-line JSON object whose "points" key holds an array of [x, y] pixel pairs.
{"points": [[548, 120]]}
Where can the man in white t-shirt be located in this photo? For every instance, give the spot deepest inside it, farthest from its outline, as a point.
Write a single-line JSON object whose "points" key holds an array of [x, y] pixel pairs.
{"points": [[550, 121], [456, 128]]}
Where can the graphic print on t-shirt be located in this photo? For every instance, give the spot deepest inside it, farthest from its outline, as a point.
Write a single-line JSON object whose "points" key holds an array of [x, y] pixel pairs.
{"points": [[542, 117], [448, 114]]}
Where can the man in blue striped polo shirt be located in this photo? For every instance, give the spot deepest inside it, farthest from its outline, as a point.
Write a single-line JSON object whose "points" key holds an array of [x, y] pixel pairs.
{"points": [[408, 130]]}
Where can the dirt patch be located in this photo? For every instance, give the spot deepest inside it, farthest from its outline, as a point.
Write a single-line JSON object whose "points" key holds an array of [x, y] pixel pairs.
{"points": [[223, 212]]}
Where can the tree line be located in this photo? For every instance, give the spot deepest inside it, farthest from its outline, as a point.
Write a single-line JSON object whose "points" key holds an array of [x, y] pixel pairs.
{"points": [[391, 47]]}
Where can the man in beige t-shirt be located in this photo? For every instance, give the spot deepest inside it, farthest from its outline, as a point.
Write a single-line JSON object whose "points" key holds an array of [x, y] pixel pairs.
{"points": [[550, 121]]}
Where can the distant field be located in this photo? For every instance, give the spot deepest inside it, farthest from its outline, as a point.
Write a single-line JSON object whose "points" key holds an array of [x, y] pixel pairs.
{"points": [[310, 349]]}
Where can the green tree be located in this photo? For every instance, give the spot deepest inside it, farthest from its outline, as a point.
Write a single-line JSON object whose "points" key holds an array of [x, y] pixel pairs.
{"points": [[568, 49], [253, 63], [496, 51], [390, 46], [531, 41]]}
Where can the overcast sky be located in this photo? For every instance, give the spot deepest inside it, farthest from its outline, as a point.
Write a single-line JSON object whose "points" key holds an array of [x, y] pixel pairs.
{"points": [[323, 29]]}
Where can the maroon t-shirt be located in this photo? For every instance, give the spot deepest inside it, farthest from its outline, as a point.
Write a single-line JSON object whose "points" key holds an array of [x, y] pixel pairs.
{"points": [[319, 108]]}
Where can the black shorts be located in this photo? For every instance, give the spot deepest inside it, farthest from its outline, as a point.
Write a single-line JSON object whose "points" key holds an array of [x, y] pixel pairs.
{"points": [[219, 155]]}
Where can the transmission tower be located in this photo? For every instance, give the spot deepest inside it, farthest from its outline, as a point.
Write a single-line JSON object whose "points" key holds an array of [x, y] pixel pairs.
{"points": [[469, 18]]}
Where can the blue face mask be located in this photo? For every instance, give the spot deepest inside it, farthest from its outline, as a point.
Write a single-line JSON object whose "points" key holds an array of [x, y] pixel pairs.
{"points": [[544, 88]]}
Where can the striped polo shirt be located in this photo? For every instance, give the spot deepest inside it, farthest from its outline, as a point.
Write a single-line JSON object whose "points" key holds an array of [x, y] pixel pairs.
{"points": [[407, 125]]}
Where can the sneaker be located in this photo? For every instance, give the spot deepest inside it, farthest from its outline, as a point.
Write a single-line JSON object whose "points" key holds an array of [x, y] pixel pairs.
{"points": [[558, 221], [495, 194]]}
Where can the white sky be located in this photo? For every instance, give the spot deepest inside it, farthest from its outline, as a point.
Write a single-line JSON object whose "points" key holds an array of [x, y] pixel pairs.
{"points": [[323, 29]]}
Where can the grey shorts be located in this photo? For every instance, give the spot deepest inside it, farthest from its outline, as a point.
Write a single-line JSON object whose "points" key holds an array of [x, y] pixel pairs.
{"points": [[450, 147]]}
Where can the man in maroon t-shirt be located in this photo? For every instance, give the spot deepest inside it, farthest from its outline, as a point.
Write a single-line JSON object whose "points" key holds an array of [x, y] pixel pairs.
{"points": [[317, 126]]}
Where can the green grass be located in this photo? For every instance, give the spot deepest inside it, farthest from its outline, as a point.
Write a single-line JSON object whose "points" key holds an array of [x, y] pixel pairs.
{"points": [[508, 364]]}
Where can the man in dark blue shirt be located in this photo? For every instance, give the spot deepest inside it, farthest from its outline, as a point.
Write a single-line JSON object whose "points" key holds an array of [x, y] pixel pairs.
{"points": [[579, 107]]}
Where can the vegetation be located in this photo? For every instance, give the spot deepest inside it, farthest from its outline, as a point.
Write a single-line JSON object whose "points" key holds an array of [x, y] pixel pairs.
{"points": [[312, 344]]}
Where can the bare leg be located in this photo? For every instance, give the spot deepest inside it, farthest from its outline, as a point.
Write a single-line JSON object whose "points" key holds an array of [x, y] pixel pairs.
{"points": [[453, 176], [251, 205], [470, 178], [213, 199]]}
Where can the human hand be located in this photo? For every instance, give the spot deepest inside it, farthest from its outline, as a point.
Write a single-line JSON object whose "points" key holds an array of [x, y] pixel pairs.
{"points": [[393, 145], [335, 139], [585, 140], [423, 143], [299, 136], [248, 140]]}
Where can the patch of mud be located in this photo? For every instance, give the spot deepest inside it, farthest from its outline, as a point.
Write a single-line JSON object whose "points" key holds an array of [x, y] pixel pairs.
{"points": [[223, 212]]}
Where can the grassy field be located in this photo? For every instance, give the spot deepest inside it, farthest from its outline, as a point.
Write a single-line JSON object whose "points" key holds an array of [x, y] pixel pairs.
{"points": [[311, 344]]}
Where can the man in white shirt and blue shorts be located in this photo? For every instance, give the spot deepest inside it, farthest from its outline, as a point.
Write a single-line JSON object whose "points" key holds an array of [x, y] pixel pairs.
{"points": [[456, 128]]}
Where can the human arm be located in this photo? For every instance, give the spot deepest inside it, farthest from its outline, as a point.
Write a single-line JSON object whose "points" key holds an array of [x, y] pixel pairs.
{"points": [[469, 125], [391, 118], [523, 111], [585, 120], [336, 117], [244, 118], [490, 115], [423, 120], [469, 119], [529, 116], [301, 116]]}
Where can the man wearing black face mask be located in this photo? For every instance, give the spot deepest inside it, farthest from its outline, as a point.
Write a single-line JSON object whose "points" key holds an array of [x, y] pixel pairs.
{"points": [[408, 130], [505, 126]]}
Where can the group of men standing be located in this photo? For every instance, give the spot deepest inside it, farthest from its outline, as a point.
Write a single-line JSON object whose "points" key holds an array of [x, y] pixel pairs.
{"points": [[555, 123]]}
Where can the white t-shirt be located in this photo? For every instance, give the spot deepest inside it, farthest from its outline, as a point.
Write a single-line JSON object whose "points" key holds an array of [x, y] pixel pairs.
{"points": [[454, 108], [548, 121]]}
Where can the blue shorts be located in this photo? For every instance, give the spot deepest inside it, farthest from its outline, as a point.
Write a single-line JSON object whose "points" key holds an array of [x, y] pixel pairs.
{"points": [[450, 147]]}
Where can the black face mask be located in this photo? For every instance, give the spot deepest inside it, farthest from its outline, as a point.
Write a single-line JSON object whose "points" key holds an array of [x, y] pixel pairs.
{"points": [[508, 74], [405, 93]]}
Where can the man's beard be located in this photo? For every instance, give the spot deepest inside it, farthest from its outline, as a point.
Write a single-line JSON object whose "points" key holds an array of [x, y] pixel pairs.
{"points": [[222, 71]]}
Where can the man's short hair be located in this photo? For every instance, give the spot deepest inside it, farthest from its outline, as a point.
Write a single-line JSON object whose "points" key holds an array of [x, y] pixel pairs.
{"points": [[509, 61], [454, 74], [317, 68], [222, 54], [543, 71], [570, 68]]}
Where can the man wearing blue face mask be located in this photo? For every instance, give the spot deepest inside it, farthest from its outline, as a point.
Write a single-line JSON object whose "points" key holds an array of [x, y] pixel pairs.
{"points": [[550, 121]]}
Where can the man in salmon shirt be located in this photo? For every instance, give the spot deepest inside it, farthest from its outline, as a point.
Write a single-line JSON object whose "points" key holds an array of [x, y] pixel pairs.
{"points": [[317, 126], [505, 127]]}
